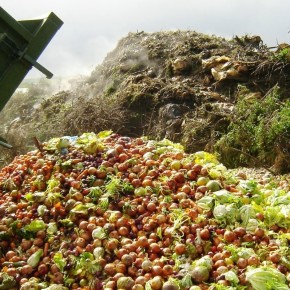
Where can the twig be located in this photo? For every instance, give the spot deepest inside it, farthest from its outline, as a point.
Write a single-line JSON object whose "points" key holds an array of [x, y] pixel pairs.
{"points": [[37, 144]]}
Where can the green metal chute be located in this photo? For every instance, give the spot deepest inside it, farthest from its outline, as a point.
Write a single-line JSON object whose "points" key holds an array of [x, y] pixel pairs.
{"points": [[21, 44]]}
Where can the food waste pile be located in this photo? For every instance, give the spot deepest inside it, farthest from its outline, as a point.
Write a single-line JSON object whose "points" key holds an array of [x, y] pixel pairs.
{"points": [[104, 211]]}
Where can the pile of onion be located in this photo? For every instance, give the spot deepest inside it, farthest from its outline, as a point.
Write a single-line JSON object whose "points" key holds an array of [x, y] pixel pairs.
{"points": [[103, 211]]}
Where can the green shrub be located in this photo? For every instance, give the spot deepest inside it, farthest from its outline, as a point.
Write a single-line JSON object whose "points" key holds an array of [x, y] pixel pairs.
{"points": [[259, 133]]}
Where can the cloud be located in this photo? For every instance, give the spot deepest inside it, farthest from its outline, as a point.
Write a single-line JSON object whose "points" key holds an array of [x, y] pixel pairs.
{"points": [[92, 28]]}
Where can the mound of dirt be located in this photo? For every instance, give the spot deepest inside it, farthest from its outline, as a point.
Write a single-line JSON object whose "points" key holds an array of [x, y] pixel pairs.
{"points": [[206, 92]]}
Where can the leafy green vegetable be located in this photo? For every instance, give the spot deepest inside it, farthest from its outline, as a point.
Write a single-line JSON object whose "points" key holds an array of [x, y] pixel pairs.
{"points": [[252, 225], [32, 284], [37, 196], [115, 186], [103, 203], [57, 144], [95, 193], [226, 214], [52, 228], [178, 217], [279, 197], [246, 212], [99, 233], [59, 261], [266, 278], [51, 145], [8, 282], [205, 261], [99, 252], [206, 203], [224, 196], [169, 145], [86, 264], [217, 286], [29, 230], [80, 209], [252, 187], [232, 277], [66, 222], [217, 171], [4, 236], [277, 215], [34, 259], [52, 183], [245, 253], [35, 226], [202, 158], [90, 143], [104, 134]]}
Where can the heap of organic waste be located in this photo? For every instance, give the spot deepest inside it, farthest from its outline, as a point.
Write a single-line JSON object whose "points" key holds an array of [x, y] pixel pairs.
{"points": [[104, 211], [225, 96]]}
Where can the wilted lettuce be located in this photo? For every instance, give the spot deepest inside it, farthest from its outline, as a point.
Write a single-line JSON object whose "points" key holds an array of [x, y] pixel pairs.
{"points": [[206, 203], [35, 226], [224, 196], [59, 261], [277, 215], [90, 143], [247, 212], [266, 278], [225, 214], [34, 259]]}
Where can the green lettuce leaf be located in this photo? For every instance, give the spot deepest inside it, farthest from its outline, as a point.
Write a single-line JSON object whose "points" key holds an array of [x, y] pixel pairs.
{"points": [[266, 278], [59, 261]]}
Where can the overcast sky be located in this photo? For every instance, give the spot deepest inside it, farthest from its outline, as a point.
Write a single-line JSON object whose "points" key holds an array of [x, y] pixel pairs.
{"points": [[92, 28]]}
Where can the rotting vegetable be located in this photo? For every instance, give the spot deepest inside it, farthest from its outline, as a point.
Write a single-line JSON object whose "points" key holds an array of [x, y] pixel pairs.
{"points": [[103, 211]]}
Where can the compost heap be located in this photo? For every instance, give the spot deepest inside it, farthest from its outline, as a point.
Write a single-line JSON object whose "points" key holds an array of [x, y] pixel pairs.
{"points": [[208, 93], [104, 211]]}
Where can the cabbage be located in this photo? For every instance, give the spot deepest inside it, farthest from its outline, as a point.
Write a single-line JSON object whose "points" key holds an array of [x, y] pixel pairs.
{"points": [[232, 277], [266, 278], [247, 212], [206, 203], [59, 261], [245, 253], [224, 196], [99, 233], [35, 226], [225, 214], [277, 215], [217, 172], [252, 225], [8, 282], [279, 197], [205, 261]]}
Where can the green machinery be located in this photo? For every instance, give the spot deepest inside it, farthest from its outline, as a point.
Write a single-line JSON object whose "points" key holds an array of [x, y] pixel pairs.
{"points": [[21, 43]]}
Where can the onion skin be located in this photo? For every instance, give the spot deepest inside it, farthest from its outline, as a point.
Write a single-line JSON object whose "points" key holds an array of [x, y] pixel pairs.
{"points": [[169, 286]]}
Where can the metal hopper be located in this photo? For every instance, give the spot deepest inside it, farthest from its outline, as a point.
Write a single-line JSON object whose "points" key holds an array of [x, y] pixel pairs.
{"points": [[21, 43]]}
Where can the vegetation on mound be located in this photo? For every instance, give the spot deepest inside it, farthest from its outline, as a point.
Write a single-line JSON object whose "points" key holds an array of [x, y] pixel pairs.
{"points": [[261, 128], [186, 86]]}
